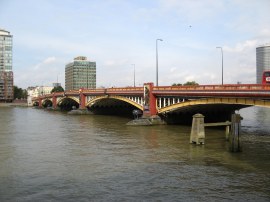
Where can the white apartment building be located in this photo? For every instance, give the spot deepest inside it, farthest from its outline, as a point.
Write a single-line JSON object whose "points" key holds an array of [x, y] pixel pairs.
{"points": [[36, 92]]}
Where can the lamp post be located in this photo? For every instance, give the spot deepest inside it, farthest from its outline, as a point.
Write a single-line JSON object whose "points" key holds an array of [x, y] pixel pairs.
{"points": [[133, 73], [221, 62], [157, 60]]}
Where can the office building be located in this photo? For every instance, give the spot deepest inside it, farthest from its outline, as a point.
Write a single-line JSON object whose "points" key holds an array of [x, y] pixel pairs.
{"points": [[262, 61], [6, 74], [80, 73], [56, 85]]}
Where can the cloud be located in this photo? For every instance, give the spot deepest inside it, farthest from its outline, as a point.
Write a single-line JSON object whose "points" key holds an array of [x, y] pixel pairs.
{"points": [[173, 69], [42, 42], [242, 46], [45, 62], [49, 60], [43, 73]]}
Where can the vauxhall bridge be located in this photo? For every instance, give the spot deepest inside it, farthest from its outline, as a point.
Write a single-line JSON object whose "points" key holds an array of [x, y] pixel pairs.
{"points": [[172, 103]]}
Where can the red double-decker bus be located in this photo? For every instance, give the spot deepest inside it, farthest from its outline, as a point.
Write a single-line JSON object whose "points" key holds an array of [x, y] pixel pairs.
{"points": [[266, 77]]}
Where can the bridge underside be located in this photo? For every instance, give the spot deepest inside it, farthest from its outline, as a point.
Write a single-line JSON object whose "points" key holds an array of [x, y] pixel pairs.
{"points": [[212, 113], [112, 107], [67, 104], [47, 103]]}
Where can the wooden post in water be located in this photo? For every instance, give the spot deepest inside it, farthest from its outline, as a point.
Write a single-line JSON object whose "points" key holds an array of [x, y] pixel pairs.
{"points": [[235, 139], [197, 134], [227, 132]]}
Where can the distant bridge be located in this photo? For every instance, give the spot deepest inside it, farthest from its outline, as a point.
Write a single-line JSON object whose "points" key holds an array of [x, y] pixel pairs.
{"points": [[164, 100]]}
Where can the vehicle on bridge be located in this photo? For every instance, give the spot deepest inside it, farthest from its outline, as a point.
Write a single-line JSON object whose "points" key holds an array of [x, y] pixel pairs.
{"points": [[266, 77]]}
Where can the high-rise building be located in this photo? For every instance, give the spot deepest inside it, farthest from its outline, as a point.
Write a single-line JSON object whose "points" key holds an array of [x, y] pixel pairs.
{"points": [[262, 61], [56, 84], [6, 74], [80, 73]]}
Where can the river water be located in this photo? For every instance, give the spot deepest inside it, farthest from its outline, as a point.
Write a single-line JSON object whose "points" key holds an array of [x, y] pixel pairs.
{"points": [[52, 156]]}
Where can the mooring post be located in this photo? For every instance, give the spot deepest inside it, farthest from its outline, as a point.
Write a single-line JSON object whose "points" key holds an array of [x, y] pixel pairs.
{"points": [[197, 134], [227, 131], [235, 139]]}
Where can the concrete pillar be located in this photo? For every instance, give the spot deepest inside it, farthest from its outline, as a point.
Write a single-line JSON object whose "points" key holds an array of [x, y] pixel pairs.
{"points": [[235, 139], [197, 134]]}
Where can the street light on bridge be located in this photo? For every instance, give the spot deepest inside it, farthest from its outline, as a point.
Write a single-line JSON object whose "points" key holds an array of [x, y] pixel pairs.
{"points": [[157, 60], [133, 73], [221, 62]]}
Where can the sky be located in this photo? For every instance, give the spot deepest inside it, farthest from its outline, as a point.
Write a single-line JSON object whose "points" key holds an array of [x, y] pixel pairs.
{"points": [[48, 34]]}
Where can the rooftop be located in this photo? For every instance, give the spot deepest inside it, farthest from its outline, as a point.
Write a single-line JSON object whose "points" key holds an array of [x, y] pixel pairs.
{"points": [[4, 32]]}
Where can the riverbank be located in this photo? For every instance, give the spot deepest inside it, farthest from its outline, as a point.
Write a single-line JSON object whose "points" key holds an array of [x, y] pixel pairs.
{"points": [[13, 104]]}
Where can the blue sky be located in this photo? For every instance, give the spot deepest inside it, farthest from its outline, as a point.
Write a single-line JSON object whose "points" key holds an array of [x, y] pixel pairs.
{"points": [[48, 34]]}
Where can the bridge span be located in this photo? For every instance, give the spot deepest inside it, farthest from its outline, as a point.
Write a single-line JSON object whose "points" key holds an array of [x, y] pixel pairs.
{"points": [[166, 101]]}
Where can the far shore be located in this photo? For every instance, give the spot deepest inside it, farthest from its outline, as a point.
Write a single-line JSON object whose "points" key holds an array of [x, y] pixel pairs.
{"points": [[13, 104]]}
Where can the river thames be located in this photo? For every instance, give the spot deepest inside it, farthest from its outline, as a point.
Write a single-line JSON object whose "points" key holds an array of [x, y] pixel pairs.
{"points": [[52, 156]]}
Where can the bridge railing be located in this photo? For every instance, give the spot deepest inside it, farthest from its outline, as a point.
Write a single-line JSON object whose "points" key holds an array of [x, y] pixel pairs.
{"points": [[125, 89], [113, 90], [94, 91], [236, 87]]}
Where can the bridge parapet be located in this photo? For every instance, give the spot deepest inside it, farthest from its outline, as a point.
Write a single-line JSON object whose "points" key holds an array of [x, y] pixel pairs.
{"points": [[226, 87], [125, 91]]}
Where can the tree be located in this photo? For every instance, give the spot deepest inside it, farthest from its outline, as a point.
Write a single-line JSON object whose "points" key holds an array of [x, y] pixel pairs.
{"points": [[190, 83], [57, 89], [176, 84], [19, 93]]}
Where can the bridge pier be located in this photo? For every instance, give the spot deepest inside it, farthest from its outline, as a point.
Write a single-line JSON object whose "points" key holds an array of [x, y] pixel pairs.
{"points": [[149, 116], [149, 105], [54, 102], [82, 99], [39, 102], [197, 134]]}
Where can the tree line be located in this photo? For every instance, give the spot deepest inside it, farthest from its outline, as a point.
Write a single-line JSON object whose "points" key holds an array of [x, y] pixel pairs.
{"points": [[189, 83], [20, 93]]}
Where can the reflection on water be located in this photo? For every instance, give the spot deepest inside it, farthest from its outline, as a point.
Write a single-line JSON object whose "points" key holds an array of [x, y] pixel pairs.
{"points": [[51, 156], [256, 121]]}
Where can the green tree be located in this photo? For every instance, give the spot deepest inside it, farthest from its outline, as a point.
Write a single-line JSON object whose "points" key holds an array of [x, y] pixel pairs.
{"points": [[19, 93], [190, 83], [57, 89], [24, 94], [176, 84]]}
